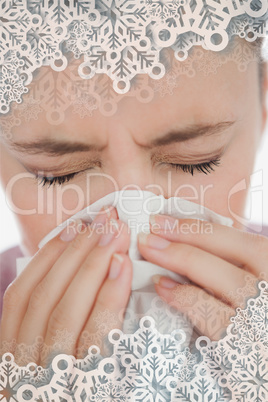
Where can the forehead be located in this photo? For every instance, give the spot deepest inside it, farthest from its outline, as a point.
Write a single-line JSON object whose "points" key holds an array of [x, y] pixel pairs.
{"points": [[199, 98]]}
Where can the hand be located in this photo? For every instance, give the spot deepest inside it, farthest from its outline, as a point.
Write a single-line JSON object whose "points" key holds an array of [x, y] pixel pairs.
{"points": [[67, 284], [216, 259]]}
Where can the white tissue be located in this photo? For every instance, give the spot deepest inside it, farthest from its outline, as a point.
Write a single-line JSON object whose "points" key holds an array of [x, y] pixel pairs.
{"points": [[134, 207]]}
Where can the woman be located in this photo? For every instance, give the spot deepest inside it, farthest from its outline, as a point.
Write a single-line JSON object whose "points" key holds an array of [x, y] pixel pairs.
{"points": [[203, 136]]}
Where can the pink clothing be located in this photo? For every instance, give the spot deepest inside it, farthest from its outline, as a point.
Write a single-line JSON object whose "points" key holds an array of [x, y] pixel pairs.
{"points": [[8, 263], [8, 269]]}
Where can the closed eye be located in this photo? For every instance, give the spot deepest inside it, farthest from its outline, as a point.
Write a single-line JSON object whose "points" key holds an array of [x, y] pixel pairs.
{"points": [[49, 181], [206, 167]]}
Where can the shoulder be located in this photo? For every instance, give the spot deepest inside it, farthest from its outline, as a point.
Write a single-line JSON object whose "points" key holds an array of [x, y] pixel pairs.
{"points": [[8, 258]]}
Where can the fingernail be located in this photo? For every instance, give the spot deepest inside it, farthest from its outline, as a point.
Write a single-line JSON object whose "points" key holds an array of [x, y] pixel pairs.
{"points": [[108, 209], [153, 241], [111, 230], [103, 214], [71, 230], [116, 265], [152, 219], [114, 224], [164, 282], [154, 226], [164, 222]]}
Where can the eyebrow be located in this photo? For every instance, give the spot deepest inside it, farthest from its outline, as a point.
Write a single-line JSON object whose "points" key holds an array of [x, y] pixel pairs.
{"points": [[191, 132], [57, 148], [54, 147]]}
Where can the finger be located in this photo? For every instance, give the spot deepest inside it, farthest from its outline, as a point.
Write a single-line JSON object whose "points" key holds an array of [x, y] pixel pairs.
{"points": [[106, 212], [17, 295], [240, 248], [111, 300], [45, 296], [201, 267], [21, 291], [73, 309], [208, 315], [52, 287]]}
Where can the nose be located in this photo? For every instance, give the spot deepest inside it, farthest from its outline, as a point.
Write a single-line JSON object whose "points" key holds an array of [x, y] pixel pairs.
{"points": [[129, 165], [130, 171]]}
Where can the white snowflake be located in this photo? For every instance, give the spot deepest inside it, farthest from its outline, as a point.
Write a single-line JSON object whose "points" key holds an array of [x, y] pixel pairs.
{"points": [[185, 295], [209, 63], [248, 379], [109, 392], [85, 105], [148, 364], [81, 38], [7, 124], [63, 339], [163, 9], [11, 86], [119, 38], [30, 109]]}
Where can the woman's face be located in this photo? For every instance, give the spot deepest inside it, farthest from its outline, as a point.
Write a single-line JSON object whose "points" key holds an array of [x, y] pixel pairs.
{"points": [[138, 148]]}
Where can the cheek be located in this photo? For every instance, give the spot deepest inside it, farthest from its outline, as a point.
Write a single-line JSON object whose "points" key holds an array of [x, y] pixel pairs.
{"points": [[51, 208], [33, 229], [21, 194], [38, 209], [229, 193], [225, 190]]}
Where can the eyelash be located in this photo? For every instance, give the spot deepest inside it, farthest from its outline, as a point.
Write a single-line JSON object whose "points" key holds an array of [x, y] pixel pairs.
{"points": [[60, 180], [206, 167]]}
